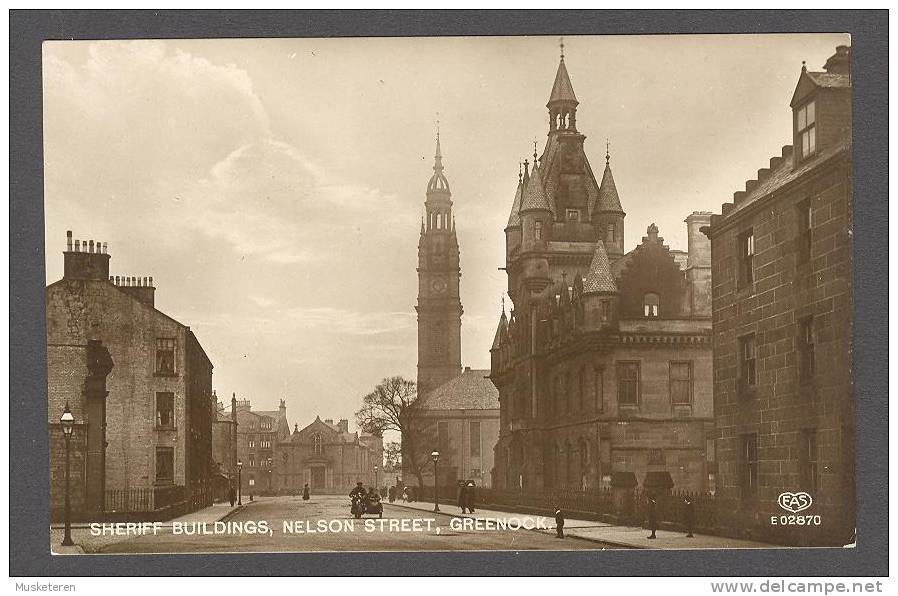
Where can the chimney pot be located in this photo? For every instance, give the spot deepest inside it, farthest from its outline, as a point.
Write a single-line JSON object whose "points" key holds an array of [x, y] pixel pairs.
{"points": [[151, 281], [105, 249], [77, 246], [68, 240]]}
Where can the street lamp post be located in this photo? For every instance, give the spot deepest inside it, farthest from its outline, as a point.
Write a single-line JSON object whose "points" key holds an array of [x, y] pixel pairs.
{"points": [[376, 483], [68, 426], [435, 456], [269, 474], [239, 482]]}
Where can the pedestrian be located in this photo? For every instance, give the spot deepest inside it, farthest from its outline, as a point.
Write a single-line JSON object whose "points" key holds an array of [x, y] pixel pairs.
{"points": [[232, 496], [653, 518], [405, 494], [462, 496], [391, 494], [690, 516], [306, 492], [469, 495], [559, 522]]}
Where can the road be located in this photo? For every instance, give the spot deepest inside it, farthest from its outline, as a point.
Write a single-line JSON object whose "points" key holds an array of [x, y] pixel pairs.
{"points": [[403, 530]]}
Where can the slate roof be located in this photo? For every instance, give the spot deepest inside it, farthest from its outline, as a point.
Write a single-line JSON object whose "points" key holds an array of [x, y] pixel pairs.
{"points": [[826, 79], [514, 218], [471, 390], [599, 278], [534, 194], [500, 330], [562, 90], [608, 199]]}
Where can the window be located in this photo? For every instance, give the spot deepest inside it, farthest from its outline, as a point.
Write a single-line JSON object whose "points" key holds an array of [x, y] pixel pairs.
{"points": [[265, 444], [749, 469], [598, 379], [165, 410], [681, 383], [165, 356], [265, 424], [807, 461], [804, 231], [252, 481], [747, 361], [806, 129], [651, 304], [573, 215], [656, 457], [165, 464], [475, 439], [317, 447], [538, 230], [606, 311], [443, 437], [252, 460], [806, 358], [610, 232], [628, 383], [746, 256], [252, 443]]}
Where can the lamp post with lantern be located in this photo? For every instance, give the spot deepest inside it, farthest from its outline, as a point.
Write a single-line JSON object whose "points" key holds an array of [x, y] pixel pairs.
{"points": [[376, 483], [435, 456], [67, 421], [239, 482]]}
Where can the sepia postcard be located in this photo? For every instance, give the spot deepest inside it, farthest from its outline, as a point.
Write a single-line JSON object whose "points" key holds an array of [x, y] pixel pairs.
{"points": [[517, 293]]}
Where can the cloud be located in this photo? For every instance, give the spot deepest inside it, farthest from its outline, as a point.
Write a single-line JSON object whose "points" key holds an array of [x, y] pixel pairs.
{"points": [[338, 321]]}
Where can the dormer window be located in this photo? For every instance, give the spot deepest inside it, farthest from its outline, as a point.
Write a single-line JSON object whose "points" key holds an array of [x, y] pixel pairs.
{"points": [[650, 304], [806, 129], [573, 215]]}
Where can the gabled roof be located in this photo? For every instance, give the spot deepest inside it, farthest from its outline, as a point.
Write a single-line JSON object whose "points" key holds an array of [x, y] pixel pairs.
{"points": [[514, 218], [471, 390], [809, 81], [608, 199], [535, 194], [562, 90], [599, 279]]}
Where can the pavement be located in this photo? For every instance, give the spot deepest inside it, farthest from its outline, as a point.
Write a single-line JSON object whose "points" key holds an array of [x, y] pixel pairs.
{"points": [[289, 524], [611, 536], [85, 542]]}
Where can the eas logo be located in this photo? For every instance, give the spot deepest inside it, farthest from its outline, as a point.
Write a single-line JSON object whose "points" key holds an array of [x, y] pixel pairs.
{"points": [[795, 502]]}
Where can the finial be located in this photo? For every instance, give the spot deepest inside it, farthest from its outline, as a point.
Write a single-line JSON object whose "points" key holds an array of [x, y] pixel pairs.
{"points": [[607, 151], [804, 66], [561, 43], [503, 304], [520, 171], [534, 151]]}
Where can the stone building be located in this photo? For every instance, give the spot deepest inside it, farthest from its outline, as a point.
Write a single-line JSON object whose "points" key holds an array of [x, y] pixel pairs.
{"points": [[139, 386], [782, 289], [461, 419], [327, 457], [457, 411], [258, 433], [603, 365], [224, 445]]}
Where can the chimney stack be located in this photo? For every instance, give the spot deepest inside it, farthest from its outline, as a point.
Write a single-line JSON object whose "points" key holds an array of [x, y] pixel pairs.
{"points": [[91, 263]]}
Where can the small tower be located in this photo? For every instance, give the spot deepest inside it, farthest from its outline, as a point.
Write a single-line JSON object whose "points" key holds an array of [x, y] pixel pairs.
{"points": [[562, 101], [600, 293], [607, 213], [536, 220]]}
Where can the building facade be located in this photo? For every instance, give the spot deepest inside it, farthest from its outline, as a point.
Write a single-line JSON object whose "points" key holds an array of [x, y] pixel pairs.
{"points": [[782, 294], [328, 458], [603, 365], [138, 384], [258, 433], [224, 443]]}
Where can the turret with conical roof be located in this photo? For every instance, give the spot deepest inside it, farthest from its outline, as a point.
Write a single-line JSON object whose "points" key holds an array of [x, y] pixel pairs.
{"points": [[607, 213], [562, 101]]}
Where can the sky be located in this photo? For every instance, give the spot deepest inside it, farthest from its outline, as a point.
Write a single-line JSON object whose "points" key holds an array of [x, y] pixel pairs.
{"points": [[273, 188]]}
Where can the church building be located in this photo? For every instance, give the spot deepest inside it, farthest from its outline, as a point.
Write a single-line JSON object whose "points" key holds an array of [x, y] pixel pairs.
{"points": [[457, 411], [603, 364]]}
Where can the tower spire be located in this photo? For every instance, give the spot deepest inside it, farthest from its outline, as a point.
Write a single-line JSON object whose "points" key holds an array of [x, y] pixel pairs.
{"points": [[561, 43]]}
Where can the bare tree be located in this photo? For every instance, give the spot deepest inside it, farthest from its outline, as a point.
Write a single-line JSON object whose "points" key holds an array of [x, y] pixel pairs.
{"points": [[391, 407], [392, 456]]}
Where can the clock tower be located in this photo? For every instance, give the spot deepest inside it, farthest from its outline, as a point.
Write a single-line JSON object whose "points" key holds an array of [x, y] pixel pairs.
{"points": [[439, 305]]}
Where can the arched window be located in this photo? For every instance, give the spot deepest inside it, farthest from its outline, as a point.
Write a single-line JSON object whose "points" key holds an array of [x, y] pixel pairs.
{"points": [[651, 304], [609, 232], [316, 444], [538, 230]]}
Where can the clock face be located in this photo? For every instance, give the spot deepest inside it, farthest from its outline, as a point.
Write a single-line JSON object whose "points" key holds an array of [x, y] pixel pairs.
{"points": [[438, 285]]}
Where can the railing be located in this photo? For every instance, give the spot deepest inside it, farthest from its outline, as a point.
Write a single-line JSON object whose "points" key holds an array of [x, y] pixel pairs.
{"points": [[130, 499]]}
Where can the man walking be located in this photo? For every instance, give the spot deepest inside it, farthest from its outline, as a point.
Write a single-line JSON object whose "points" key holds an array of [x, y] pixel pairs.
{"points": [[559, 522], [653, 518]]}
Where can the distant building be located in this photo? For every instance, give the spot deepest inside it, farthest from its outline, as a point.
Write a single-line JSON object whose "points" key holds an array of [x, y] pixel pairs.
{"points": [[782, 287], [139, 386], [603, 365], [462, 406], [461, 417], [328, 457], [258, 433], [225, 445]]}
